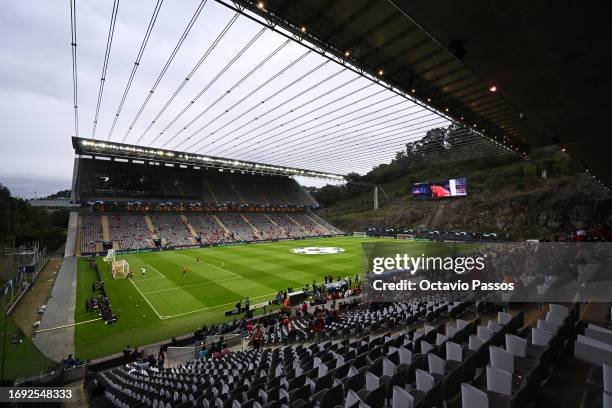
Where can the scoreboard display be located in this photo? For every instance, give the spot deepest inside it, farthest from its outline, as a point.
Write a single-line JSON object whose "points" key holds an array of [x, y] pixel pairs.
{"points": [[440, 189]]}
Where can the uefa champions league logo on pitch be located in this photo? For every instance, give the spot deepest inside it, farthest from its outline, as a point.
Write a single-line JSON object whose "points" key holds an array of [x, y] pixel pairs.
{"points": [[317, 250]]}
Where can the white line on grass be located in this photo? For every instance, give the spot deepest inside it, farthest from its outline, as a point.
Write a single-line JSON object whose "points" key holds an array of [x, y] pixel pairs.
{"points": [[152, 267], [146, 300], [213, 307], [191, 285]]}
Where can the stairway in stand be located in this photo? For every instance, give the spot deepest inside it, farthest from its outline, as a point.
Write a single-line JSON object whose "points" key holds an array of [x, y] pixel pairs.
{"points": [[79, 396]]}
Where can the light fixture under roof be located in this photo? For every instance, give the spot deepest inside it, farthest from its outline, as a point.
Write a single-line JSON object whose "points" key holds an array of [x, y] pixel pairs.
{"points": [[381, 72], [493, 88], [260, 5]]}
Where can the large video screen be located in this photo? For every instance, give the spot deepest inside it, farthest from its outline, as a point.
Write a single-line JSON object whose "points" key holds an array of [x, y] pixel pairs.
{"points": [[440, 189]]}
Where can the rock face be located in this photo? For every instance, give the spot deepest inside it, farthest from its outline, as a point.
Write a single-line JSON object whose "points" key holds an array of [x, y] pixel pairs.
{"points": [[541, 210]]}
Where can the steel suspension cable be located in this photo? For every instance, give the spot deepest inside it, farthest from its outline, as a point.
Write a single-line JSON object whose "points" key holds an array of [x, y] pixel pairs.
{"points": [[316, 98], [313, 70], [160, 76], [143, 45], [374, 139], [281, 104], [232, 88], [248, 146], [292, 136], [188, 77], [351, 132], [349, 127], [257, 89], [353, 166], [376, 156], [109, 43], [73, 45], [211, 82]]}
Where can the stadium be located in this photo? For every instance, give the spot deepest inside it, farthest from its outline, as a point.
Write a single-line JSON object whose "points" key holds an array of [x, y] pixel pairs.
{"points": [[309, 203]]}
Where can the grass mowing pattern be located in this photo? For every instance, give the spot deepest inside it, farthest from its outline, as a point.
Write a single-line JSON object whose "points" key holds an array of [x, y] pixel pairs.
{"points": [[164, 303]]}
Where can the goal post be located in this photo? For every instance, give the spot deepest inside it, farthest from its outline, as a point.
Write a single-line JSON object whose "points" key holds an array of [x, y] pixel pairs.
{"points": [[120, 269]]}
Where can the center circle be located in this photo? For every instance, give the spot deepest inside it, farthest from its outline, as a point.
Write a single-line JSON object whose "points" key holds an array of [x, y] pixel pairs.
{"points": [[317, 250]]}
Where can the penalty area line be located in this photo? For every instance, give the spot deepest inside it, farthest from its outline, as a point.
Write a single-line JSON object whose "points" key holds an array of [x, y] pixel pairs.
{"points": [[190, 285], [147, 300], [213, 307]]}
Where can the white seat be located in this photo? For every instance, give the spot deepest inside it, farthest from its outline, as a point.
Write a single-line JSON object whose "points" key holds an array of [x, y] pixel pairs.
{"points": [[474, 342], [405, 355], [454, 352], [425, 347], [504, 318], [401, 398], [501, 359], [499, 381], [546, 325], [435, 364], [472, 397], [372, 381], [483, 333], [388, 367], [516, 345], [461, 324], [607, 377], [424, 380], [540, 337]]}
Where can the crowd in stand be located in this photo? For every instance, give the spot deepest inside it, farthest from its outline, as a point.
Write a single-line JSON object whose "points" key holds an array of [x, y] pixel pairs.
{"points": [[171, 230], [439, 235], [601, 233], [130, 231], [447, 359], [91, 232]]}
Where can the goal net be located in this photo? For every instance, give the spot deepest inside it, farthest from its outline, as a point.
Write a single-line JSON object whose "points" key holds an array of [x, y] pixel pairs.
{"points": [[120, 269], [359, 234]]}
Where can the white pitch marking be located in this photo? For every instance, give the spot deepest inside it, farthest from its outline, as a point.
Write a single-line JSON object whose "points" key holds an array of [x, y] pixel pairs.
{"points": [[146, 300], [191, 285], [215, 306]]}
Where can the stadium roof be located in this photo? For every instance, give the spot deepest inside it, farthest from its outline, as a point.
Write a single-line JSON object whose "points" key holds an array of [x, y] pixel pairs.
{"points": [[256, 89], [548, 65], [99, 148]]}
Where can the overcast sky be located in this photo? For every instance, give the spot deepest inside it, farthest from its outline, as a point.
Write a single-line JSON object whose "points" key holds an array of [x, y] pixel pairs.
{"points": [[36, 92]]}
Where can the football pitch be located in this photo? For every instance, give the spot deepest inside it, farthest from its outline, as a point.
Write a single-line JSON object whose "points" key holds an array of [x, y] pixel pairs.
{"points": [[164, 302]]}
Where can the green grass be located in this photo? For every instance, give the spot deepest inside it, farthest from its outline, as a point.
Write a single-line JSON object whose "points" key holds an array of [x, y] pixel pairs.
{"points": [[20, 360], [164, 303]]}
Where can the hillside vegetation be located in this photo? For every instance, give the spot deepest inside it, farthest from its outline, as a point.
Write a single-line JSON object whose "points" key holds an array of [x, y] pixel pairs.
{"points": [[20, 223], [505, 193]]}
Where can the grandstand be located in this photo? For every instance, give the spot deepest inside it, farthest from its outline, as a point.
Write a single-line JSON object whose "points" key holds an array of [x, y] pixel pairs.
{"points": [[130, 204]]}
